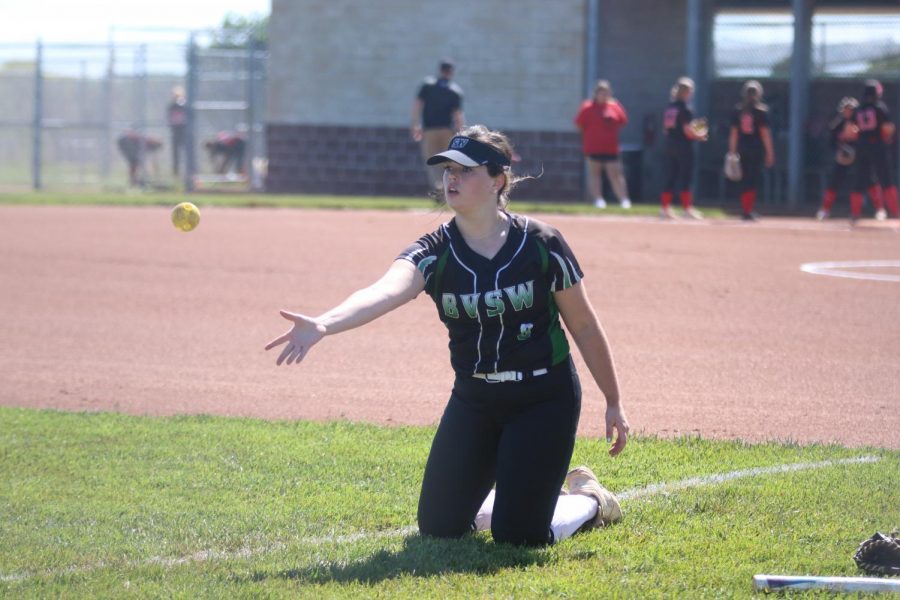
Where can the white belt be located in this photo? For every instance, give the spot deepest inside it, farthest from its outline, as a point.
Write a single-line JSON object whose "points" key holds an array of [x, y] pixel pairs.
{"points": [[509, 375]]}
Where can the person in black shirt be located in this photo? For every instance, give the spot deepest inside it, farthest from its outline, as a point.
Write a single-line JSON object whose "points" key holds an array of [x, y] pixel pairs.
{"points": [[681, 131], [501, 283], [751, 137], [436, 116], [876, 131], [176, 117], [843, 134]]}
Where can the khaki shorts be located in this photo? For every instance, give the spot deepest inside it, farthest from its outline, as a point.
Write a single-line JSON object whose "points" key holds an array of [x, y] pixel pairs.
{"points": [[434, 141]]}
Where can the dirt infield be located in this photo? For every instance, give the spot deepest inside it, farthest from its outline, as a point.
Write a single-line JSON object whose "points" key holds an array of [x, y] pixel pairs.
{"points": [[715, 329]]}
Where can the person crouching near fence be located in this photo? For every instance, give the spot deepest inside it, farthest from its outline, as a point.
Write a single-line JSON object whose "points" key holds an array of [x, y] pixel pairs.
{"points": [[138, 149], [750, 136], [681, 130], [843, 133]]}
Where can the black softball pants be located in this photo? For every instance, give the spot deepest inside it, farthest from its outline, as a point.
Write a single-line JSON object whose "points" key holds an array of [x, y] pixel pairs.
{"points": [[517, 435], [752, 162], [679, 168], [872, 159], [839, 174]]}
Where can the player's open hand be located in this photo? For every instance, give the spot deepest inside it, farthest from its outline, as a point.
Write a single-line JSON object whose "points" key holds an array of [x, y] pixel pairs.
{"points": [[615, 420], [304, 334]]}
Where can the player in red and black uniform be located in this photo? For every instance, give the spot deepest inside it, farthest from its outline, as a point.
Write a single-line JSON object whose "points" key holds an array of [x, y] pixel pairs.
{"points": [[226, 151], [843, 134], [137, 147], [501, 284], [751, 137], [876, 131], [677, 120]]}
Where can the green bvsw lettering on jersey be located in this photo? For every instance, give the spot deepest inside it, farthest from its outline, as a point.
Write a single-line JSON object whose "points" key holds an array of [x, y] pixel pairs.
{"points": [[520, 295], [494, 301], [449, 302], [470, 303]]}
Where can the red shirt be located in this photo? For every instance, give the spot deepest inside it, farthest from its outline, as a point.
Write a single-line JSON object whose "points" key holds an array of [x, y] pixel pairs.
{"points": [[600, 125]]}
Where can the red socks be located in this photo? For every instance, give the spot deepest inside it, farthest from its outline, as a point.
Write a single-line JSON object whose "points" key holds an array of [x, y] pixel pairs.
{"points": [[875, 195], [748, 199], [891, 201], [666, 199], [828, 199], [686, 199], [856, 201]]}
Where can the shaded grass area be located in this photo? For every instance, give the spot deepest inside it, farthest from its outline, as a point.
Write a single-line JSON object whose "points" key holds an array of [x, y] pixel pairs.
{"points": [[99, 505], [138, 198]]}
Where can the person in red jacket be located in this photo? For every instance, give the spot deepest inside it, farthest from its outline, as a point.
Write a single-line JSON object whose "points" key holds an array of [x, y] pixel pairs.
{"points": [[599, 119]]}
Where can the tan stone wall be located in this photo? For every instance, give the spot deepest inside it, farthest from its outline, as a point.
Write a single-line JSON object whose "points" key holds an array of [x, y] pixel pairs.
{"points": [[360, 62]]}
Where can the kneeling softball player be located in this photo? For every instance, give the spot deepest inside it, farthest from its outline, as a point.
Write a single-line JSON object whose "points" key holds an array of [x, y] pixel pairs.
{"points": [[500, 283]]}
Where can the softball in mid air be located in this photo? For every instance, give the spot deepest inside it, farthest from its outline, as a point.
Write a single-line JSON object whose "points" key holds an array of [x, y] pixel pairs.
{"points": [[185, 216]]}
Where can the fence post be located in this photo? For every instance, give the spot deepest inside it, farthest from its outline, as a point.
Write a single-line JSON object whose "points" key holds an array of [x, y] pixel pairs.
{"points": [[591, 69], [38, 122], [190, 164], [106, 156], [799, 101], [251, 117]]}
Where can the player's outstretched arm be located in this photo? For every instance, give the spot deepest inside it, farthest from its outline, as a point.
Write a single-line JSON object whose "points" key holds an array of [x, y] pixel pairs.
{"points": [[583, 324], [399, 285]]}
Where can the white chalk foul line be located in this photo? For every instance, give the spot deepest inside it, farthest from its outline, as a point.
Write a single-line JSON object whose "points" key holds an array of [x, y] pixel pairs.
{"points": [[695, 482], [840, 269], [627, 495]]}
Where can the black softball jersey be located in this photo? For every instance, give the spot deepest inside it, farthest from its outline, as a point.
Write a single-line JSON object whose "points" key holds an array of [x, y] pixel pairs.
{"points": [[500, 312], [675, 117], [869, 117]]}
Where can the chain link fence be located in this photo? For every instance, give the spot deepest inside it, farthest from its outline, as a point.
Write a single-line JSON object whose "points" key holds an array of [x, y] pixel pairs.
{"points": [[64, 107], [843, 45]]}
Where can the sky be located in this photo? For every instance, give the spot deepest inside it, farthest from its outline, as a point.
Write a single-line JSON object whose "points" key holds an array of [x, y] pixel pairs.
{"points": [[87, 21]]}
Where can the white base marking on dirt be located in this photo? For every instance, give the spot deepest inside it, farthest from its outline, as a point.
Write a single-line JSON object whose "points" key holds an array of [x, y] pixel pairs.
{"points": [[631, 495], [841, 269]]}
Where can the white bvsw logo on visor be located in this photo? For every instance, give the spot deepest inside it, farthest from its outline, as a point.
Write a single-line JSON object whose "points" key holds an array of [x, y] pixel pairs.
{"points": [[458, 143]]}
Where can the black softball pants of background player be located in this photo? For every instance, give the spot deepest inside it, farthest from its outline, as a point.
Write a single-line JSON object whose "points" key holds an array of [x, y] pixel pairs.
{"points": [[752, 161], [679, 168], [872, 159], [517, 435], [839, 174]]}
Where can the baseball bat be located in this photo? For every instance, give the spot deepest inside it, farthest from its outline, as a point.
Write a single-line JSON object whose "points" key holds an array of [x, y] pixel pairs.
{"points": [[770, 583]]}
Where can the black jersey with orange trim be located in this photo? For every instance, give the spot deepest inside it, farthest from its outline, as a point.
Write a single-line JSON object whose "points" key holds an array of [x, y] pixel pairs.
{"points": [[500, 312], [869, 117], [749, 120], [675, 117]]}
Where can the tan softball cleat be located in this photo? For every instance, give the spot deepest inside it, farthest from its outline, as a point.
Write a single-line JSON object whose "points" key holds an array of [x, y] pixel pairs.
{"points": [[582, 481]]}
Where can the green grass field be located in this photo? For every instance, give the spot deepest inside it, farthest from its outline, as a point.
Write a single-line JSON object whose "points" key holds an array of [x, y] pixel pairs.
{"points": [[139, 198], [109, 505]]}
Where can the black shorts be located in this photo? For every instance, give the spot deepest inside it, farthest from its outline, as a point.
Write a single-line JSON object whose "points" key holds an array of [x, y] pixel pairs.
{"points": [[603, 157]]}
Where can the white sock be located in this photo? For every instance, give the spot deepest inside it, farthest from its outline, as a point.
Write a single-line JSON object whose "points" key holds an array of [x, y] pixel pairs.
{"points": [[572, 512], [483, 518]]}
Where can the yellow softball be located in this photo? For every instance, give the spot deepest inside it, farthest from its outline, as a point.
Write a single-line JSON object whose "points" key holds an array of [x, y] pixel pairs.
{"points": [[185, 216]]}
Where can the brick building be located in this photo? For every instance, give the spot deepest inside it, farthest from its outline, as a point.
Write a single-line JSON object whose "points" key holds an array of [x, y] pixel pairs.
{"points": [[343, 75]]}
